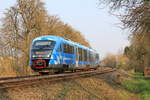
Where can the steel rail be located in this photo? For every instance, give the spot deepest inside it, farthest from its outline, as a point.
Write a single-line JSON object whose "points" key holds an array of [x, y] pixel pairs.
{"points": [[30, 80]]}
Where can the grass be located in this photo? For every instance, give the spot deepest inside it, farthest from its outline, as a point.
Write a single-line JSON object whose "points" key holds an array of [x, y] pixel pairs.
{"points": [[90, 88], [6, 69], [10, 69], [140, 85], [122, 95]]}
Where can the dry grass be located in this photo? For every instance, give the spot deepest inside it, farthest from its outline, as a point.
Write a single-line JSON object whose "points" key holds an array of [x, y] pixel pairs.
{"points": [[9, 69], [6, 68], [91, 88], [46, 92]]}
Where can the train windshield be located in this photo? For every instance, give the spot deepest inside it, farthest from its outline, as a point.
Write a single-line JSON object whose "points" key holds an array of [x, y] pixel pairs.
{"points": [[42, 44]]}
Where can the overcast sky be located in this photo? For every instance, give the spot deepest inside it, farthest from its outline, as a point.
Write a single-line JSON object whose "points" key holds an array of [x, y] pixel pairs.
{"points": [[99, 27]]}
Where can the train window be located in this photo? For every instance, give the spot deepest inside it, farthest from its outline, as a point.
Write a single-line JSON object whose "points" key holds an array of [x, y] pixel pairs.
{"points": [[68, 49], [85, 55], [97, 56], [71, 49], [94, 57], [83, 58], [65, 48], [80, 54], [91, 57], [44, 44], [79, 50]]}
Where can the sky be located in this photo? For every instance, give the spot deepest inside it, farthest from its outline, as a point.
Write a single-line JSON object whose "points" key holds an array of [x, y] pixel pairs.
{"points": [[99, 27]]}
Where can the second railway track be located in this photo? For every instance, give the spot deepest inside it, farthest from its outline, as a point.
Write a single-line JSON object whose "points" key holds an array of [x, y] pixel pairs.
{"points": [[30, 80]]}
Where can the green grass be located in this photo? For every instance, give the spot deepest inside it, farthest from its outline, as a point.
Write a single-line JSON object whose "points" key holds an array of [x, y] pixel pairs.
{"points": [[139, 86], [123, 96]]}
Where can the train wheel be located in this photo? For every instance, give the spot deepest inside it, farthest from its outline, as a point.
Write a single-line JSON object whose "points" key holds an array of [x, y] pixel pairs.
{"points": [[73, 70], [59, 71], [43, 73]]}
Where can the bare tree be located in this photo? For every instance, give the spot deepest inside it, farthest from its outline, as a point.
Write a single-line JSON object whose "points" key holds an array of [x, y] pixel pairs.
{"points": [[136, 17], [25, 21]]}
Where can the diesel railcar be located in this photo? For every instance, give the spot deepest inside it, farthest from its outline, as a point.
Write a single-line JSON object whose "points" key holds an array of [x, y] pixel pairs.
{"points": [[54, 53]]}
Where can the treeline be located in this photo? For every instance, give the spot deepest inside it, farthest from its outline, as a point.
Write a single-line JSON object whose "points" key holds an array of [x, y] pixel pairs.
{"points": [[116, 61], [135, 16], [23, 22]]}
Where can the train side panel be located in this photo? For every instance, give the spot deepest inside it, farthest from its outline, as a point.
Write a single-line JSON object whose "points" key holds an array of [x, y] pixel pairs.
{"points": [[66, 55]]}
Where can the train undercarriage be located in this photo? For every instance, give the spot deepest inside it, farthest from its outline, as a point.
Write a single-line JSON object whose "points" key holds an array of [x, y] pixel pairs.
{"points": [[42, 66]]}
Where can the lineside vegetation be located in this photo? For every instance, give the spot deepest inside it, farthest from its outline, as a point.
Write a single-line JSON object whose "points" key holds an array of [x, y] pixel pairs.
{"points": [[139, 86]]}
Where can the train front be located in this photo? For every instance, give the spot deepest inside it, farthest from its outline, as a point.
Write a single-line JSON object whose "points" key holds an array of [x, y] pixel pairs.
{"points": [[41, 51]]}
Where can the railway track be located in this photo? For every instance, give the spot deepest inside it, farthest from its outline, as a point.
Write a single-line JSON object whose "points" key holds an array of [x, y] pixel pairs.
{"points": [[11, 82]]}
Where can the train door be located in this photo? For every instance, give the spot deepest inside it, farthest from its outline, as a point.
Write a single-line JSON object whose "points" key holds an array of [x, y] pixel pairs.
{"points": [[59, 55], [77, 56]]}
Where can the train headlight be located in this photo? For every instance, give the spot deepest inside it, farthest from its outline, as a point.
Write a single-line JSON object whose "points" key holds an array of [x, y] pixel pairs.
{"points": [[33, 56], [47, 56]]}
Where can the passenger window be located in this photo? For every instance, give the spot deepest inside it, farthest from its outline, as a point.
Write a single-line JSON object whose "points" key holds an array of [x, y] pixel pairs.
{"points": [[65, 48], [68, 49]]}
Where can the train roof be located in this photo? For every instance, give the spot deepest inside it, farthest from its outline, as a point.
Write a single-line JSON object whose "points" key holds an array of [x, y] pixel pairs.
{"points": [[58, 38]]}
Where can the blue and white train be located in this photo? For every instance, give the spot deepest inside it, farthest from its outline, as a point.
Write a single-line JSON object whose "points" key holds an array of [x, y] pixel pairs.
{"points": [[53, 53]]}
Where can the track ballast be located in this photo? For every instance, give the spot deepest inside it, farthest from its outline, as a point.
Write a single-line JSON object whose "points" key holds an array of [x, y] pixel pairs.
{"points": [[11, 82]]}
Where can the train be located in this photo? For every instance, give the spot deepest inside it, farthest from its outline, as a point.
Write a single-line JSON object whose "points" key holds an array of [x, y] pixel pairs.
{"points": [[57, 54]]}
